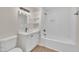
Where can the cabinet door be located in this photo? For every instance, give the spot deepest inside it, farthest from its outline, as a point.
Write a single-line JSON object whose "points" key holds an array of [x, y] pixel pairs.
{"points": [[22, 42], [32, 41]]}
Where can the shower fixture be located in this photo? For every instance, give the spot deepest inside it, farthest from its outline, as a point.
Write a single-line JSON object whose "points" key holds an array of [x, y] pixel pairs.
{"points": [[77, 13], [45, 13]]}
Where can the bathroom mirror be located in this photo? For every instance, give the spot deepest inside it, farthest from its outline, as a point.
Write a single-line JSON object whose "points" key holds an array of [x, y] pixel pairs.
{"points": [[23, 20]]}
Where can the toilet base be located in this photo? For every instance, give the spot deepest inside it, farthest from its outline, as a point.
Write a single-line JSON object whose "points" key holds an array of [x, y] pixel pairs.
{"points": [[16, 50]]}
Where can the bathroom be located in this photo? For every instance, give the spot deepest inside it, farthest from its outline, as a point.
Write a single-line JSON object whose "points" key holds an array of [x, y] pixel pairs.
{"points": [[24, 29]]}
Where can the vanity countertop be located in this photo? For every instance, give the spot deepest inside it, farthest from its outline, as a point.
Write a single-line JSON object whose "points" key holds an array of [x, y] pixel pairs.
{"points": [[29, 32]]}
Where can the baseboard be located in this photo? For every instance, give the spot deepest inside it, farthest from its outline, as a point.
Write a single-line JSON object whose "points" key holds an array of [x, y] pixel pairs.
{"points": [[58, 46]]}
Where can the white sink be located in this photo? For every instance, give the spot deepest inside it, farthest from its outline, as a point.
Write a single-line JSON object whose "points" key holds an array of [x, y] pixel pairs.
{"points": [[29, 32]]}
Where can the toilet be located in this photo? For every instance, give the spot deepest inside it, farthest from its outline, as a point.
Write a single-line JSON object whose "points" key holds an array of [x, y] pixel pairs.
{"points": [[9, 44], [16, 50]]}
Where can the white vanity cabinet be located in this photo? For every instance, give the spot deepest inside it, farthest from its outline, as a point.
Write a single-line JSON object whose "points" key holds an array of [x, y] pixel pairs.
{"points": [[28, 41], [32, 41], [29, 27]]}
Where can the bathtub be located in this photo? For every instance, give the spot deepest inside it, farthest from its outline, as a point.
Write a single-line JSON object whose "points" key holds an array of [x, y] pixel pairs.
{"points": [[59, 45], [8, 43]]}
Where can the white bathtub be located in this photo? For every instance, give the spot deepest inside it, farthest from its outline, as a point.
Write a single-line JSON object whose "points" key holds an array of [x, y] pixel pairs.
{"points": [[59, 45], [8, 43]]}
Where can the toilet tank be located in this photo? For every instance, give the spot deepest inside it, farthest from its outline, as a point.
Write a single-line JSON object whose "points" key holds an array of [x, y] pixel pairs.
{"points": [[8, 43]]}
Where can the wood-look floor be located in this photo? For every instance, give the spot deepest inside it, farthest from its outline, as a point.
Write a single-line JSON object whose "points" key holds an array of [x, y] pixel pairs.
{"points": [[42, 49]]}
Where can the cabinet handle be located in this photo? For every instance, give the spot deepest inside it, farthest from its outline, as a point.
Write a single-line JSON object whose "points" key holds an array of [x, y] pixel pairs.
{"points": [[31, 35], [44, 30]]}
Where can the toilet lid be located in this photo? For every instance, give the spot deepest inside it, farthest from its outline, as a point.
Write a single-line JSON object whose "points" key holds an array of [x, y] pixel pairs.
{"points": [[16, 50]]}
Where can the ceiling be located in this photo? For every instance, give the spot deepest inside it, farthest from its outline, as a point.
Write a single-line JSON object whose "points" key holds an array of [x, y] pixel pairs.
{"points": [[34, 9]]}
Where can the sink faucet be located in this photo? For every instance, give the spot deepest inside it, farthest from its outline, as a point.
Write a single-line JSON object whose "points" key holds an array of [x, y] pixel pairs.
{"points": [[26, 29]]}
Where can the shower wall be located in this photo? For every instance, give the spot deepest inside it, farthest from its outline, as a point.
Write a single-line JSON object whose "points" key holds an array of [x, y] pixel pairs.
{"points": [[60, 23]]}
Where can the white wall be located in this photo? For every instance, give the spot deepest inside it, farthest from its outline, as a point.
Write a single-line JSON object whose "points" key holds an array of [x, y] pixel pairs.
{"points": [[8, 21], [62, 27], [77, 29], [60, 23]]}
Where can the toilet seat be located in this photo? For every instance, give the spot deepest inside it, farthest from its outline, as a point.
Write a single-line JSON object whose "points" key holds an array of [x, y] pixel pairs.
{"points": [[16, 50]]}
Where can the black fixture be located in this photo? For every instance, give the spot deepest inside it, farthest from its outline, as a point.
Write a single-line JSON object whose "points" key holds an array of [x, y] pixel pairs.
{"points": [[45, 13], [77, 13], [25, 29], [24, 9], [44, 30]]}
